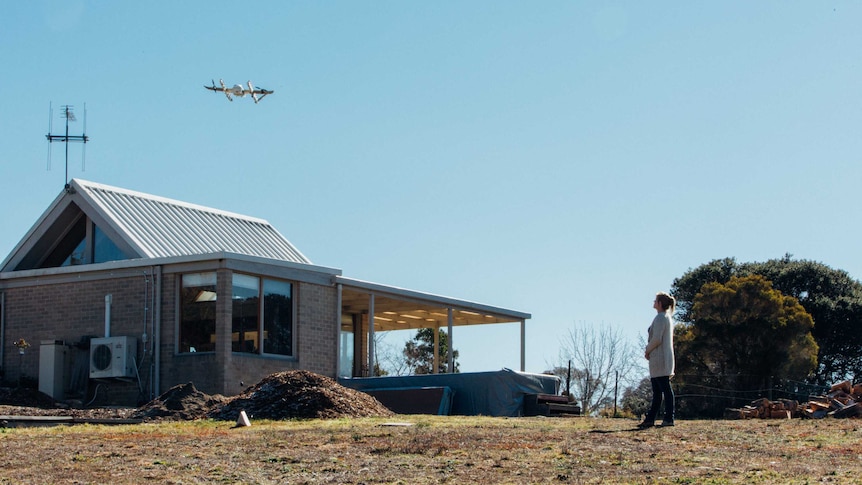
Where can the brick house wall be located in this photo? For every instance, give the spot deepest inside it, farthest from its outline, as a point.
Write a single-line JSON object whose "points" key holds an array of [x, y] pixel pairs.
{"points": [[72, 312], [69, 306]]}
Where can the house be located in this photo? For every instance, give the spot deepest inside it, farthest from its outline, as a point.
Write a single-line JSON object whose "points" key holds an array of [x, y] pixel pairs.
{"points": [[124, 295]]}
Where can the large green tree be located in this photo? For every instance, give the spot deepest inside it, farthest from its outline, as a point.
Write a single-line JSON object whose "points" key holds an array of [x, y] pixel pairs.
{"points": [[744, 335], [419, 352], [830, 296]]}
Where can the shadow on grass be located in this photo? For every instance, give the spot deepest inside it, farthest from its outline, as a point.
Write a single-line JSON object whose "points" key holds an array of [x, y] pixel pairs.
{"points": [[610, 431]]}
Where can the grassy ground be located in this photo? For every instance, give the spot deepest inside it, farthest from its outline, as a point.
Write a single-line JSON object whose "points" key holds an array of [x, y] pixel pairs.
{"points": [[436, 449]]}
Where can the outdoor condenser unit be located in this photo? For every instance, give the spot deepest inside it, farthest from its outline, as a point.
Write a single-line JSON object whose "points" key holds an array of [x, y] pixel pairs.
{"points": [[113, 357]]}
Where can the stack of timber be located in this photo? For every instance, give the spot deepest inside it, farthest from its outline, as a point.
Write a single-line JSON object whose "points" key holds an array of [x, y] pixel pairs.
{"points": [[549, 405], [765, 409], [844, 400]]}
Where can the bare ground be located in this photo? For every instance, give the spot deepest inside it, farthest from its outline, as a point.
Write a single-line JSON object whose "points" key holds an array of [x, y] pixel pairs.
{"points": [[189, 437], [436, 449]]}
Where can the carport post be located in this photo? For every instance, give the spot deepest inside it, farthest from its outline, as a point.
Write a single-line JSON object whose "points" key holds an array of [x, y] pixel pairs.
{"points": [[523, 352], [339, 344], [450, 367], [370, 335], [436, 348]]}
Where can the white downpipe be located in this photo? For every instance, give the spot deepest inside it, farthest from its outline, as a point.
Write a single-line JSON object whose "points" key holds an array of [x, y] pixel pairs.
{"points": [[108, 299]]}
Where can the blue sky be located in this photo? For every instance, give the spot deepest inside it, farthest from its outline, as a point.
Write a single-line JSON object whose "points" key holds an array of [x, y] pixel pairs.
{"points": [[566, 159]]}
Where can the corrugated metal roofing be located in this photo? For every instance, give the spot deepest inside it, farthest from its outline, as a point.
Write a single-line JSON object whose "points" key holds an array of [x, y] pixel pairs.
{"points": [[160, 227]]}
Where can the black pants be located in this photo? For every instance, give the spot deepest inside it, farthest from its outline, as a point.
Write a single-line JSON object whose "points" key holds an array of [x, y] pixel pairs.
{"points": [[661, 389]]}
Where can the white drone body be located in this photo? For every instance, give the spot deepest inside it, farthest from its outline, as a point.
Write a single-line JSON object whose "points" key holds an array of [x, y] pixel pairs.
{"points": [[239, 91]]}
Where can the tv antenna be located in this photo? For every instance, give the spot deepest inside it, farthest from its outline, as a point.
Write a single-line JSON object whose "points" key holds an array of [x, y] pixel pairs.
{"points": [[69, 115]]}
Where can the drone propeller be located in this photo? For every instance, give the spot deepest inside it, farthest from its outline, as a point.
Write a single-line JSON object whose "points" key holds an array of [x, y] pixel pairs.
{"points": [[251, 91]]}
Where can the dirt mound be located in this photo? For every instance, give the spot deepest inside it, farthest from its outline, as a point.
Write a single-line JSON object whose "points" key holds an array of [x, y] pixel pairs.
{"points": [[300, 394], [283, 395], [182, 402]]}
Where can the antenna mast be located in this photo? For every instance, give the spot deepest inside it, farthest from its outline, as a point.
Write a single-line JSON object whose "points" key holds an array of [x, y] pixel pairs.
{"points": [[69, 115]]}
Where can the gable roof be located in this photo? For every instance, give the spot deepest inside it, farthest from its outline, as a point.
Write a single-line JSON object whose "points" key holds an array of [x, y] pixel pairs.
{"points": [[147, 226]]}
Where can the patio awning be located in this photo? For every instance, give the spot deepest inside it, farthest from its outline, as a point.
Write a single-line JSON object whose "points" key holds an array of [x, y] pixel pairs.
{"points": [[395, 308], [402, 309]]}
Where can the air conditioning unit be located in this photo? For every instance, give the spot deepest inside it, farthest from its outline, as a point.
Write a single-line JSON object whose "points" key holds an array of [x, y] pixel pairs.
{"points": [[113, 357]]}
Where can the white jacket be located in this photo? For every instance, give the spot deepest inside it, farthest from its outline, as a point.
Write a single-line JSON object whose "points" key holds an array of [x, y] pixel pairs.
{"points": [[660, 346]]}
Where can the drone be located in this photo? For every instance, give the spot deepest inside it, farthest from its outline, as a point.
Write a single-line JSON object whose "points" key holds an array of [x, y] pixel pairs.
{"points": [[239, 91]]}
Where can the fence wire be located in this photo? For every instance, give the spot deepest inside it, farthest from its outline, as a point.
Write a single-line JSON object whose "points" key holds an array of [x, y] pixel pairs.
{"points": [[705, 400]]}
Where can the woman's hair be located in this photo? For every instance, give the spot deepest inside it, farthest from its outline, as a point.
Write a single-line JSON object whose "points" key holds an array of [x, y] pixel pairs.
{"points": [[666, 301]]}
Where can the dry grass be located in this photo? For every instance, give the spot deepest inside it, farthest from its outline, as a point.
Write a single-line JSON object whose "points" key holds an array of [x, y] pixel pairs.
{"points": [[437, 450]]}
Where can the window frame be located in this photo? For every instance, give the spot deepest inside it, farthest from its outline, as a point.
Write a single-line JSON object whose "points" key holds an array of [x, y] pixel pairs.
{"points": [[180, 310], [260, 347]]}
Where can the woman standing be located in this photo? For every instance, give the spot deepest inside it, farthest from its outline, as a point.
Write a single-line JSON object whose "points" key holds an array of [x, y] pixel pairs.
{"points": [[659, 352]]}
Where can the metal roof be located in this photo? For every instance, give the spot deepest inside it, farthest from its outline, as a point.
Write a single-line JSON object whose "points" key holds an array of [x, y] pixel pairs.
{"points": [[147, 226], [160, 227]]}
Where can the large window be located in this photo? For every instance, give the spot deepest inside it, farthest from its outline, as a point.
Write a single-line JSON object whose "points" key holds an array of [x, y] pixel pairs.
{"points": [[245, 309], [267, 329], [258, 325], [198, 312], [277, 317]]}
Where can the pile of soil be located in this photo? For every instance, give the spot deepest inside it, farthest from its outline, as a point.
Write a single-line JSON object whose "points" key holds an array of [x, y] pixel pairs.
{"points": [[300, 394], [283, 395], [182, 402]]}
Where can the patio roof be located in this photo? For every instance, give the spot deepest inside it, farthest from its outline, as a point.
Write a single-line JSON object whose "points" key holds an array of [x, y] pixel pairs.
{"points": [[401, 309]]}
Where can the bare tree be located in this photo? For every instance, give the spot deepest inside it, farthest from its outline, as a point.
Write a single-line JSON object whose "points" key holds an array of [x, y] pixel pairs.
{"points": [[601, 358], [389, 359]]}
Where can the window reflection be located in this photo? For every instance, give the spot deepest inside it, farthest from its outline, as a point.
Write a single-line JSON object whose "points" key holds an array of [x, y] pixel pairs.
{"points": [[257, 328], [104, 249], [198, 311], [277, 317], [246, 308]]}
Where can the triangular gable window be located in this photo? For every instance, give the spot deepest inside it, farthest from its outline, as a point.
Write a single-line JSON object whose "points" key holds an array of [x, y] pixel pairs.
{"points": [[72, 240], [84, 247], [104, 249], [70, 250]]}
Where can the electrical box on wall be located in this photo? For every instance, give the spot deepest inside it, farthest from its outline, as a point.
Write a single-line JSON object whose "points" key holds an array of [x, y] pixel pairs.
{"points": [[113, 357]]}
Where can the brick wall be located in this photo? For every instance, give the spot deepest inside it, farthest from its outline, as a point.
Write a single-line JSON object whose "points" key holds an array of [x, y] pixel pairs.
{"points": [[317, 329], [70, 311]]}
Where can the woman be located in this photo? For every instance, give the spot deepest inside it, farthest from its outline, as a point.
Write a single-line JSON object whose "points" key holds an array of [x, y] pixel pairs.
{"points": [[659, 352]]}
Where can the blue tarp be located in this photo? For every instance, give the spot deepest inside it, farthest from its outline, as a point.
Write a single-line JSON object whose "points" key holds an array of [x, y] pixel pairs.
{"points": [[494, 393]]}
